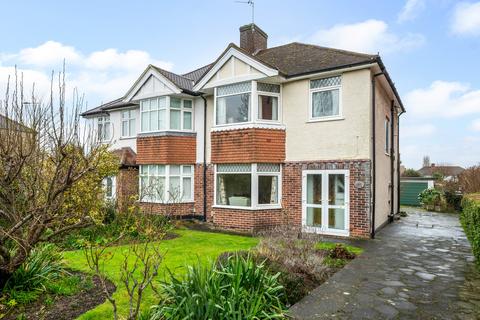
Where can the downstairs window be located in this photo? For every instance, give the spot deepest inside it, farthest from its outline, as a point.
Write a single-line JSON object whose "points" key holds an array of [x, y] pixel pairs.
{"points": [[248, 185]]}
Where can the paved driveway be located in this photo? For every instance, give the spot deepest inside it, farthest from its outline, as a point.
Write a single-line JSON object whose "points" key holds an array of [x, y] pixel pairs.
{"points": [[418, 268]]}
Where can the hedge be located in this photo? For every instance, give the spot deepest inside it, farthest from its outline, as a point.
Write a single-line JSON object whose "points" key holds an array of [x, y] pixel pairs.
{"points": [[470, 220]]}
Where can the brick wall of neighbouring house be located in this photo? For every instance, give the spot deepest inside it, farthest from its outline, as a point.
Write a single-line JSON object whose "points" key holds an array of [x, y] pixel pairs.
{"points": [[291, 212], [126, 186], [169, 149], [248, 146]]}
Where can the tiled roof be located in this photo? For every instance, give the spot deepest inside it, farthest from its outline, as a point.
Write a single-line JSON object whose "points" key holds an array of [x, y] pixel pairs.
{"points": [[295, 58], [182, 82], [445, 170], [127, 156], [111, 105]]}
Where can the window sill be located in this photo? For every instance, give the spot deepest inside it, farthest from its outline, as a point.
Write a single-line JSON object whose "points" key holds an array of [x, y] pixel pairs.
{"points": [[269, 207], [325, 119], [128, 138], [166, 203], [248, 125]]}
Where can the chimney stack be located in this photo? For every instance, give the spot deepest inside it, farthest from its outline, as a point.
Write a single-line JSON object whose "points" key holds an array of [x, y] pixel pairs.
{"points": [[252, 38]]}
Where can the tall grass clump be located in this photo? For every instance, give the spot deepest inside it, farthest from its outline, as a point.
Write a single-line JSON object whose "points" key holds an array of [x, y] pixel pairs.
{"points": [[43, 266], [236, 288]]}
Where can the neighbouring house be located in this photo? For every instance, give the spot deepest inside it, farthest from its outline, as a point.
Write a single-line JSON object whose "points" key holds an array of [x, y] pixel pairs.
{"points": [[447, 171], [296, 134]]}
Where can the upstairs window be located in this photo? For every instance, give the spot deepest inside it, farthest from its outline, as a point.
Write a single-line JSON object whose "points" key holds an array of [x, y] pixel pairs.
{"points": [[325, 98], [166, 113], [233, 103], [103, 129], [128, 123], [268, 97]]}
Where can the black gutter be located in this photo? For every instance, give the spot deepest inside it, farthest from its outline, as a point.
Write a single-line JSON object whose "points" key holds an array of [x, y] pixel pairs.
{"points": [[204, 157], [390, 81], [392, 158], [374, 154]]}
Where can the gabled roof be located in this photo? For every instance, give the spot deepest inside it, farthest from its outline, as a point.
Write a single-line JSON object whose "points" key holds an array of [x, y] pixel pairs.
{"points": [[290, 60]]}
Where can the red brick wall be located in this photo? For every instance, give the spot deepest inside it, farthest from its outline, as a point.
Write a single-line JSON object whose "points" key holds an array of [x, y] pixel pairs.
{"points": [[291, 212], [173, 209], [248, 146], [166, 149], [127, 186]]}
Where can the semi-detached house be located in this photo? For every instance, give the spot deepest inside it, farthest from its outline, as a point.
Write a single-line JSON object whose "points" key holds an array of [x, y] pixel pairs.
{"points": [[296, 134]]}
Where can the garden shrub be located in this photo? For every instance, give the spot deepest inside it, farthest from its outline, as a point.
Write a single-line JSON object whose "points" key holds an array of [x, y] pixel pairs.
{"points": [[43, 266], [238, 288], [430, 196], [470, 220]]}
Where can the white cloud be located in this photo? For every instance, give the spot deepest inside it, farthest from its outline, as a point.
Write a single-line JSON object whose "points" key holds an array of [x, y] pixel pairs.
{"points": [[51, 53], [369, 36], [411, 10], [466, 19], [101, 75], [475, 125], [442, 98], [417, 131]]}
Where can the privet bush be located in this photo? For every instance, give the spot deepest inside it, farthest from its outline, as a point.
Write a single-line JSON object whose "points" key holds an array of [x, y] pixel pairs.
{"points": [[470, 219]]}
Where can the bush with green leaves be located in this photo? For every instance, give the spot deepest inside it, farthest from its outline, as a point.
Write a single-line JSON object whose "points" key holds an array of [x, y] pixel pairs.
{"points": [[238, 288], [470, 220], [430, 196]]}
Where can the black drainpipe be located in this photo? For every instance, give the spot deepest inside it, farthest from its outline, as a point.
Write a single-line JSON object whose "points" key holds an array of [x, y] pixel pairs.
{"points": [[392, 158], [398, 162], [204, 158], [372, 234]]}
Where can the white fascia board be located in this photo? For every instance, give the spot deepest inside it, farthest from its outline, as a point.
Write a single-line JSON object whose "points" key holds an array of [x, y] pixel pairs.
{"points": [[150, 71], [232, 52]]}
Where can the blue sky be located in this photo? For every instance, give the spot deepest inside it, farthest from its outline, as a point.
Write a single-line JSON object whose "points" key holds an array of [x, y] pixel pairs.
{"points": [[430, 47]]}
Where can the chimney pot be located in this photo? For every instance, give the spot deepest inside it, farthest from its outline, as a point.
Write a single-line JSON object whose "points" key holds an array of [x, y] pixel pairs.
{"points": [[252, 38]]}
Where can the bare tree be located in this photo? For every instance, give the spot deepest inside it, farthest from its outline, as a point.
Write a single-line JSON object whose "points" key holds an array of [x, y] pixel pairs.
{"points": [[44, 154]]}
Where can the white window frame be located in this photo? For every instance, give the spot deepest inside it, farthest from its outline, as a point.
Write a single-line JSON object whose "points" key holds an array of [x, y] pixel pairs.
{"points": [[131, 116], [253, 112], [324, 229], [167, 175], [101, 136], [387, 136], [167, 109], [114, 187], [254, 205], [311, 118], [279, 111]]}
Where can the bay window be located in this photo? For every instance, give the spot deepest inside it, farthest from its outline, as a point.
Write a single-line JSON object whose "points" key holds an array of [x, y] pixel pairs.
{"points": [[103, 129], [325, 97], [128, 123], [166, 113], [233, 103], [248, 185], [166, 183]]}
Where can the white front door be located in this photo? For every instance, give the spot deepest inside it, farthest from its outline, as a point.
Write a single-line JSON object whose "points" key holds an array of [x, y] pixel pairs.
{"points": [[325, 201]]}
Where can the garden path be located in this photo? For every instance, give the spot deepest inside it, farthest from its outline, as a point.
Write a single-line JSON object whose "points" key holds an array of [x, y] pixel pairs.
{"points": [[420, 267]]}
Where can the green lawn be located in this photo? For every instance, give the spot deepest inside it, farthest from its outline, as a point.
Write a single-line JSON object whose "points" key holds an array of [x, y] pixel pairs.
{"points": [[181, 251]]}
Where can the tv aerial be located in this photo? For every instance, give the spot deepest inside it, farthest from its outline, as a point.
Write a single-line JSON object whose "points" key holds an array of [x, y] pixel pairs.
{"points": [[252, 5]]}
